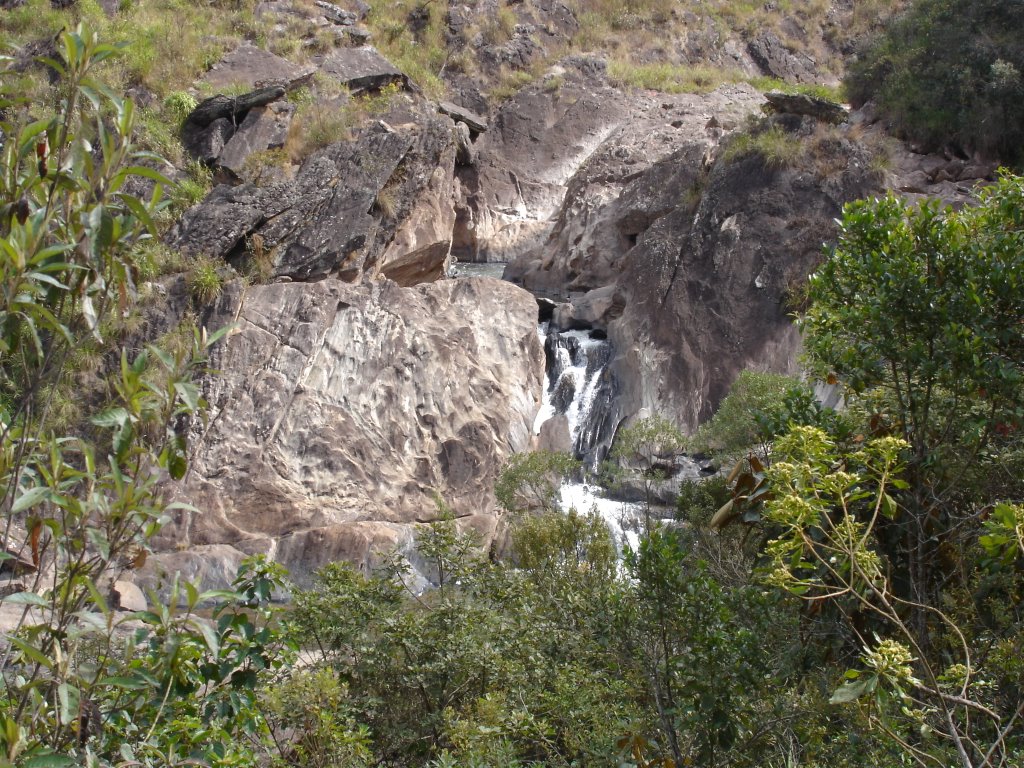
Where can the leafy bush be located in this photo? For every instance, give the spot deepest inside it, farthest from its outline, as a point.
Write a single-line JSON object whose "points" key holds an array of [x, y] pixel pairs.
{"points": [[950, 71], [85, 685], [735, 427]]}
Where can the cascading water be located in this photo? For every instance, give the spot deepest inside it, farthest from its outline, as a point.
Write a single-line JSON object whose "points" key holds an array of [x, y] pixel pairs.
{"points": [[580, 387]]}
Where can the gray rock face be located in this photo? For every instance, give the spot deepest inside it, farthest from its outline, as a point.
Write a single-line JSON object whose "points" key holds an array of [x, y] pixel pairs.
{"points": [[263, 128], [341, 411], [706, 290], [774, 59], [379, 204], [251, 67], [361, 69], [225, 131], [475, 122], [532, 148], [630, 180]]}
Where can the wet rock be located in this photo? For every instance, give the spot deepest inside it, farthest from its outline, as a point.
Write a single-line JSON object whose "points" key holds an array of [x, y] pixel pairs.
{"points": [[554, 435], [565, 391]]}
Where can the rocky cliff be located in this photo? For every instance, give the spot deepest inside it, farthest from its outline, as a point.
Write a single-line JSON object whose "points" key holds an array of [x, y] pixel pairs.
{"points": [[361, 384], [342, 414]]}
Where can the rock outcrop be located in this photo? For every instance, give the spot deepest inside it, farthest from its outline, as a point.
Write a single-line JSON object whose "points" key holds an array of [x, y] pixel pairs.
{"points": [[378, 204], [534, 144], [708, 291], [342, 412], [629, 181]]}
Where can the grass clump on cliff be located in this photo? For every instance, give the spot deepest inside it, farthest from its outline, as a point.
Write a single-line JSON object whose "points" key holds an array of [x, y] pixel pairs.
{"points": [[776, 148], [950, 72], [670, 78], [411, 34]]}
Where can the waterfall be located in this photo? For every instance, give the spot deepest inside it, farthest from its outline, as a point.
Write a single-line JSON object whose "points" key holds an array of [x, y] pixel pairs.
{"points": [[580, 387]]}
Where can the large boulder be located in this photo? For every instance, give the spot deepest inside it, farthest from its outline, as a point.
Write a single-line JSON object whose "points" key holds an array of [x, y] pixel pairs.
{"points": [[342, 412], [362, 69], [250, 67]]}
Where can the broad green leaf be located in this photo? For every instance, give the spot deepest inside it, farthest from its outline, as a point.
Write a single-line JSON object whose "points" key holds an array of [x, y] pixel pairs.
{"points": [[31, 497], [854, 689], [49, 761], [26, 598]]}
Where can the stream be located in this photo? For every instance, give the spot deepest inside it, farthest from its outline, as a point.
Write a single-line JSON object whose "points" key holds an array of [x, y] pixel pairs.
{"points": [[580, 389]]}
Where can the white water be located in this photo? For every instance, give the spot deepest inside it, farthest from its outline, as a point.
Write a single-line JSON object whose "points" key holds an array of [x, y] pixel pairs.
{"points": [[584, 375], [622, 518]]}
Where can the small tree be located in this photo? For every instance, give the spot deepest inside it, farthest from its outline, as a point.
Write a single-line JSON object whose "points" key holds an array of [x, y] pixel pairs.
{"points": [[80, 504], [828, 509], [917, 313], [651, 445]]}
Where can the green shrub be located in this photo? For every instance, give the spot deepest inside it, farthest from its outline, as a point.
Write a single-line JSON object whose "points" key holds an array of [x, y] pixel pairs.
{"points": [[179, 104], [152, 259], [734, 428], [950, 71]]}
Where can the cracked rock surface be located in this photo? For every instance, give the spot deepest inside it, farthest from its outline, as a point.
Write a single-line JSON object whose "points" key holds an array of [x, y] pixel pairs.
{"points": [[341, 412]]}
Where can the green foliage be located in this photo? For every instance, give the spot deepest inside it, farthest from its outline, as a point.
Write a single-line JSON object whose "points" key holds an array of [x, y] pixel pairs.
{"points": [[775, 147], [204, 280], [180, 104], [648, 443], [736, 428], [695, 645], [818, 90], [949, 71], [497, 666], [530, 481], [920, 305], [193, 187], [309, 713], [85, 685], [830, 548]]}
